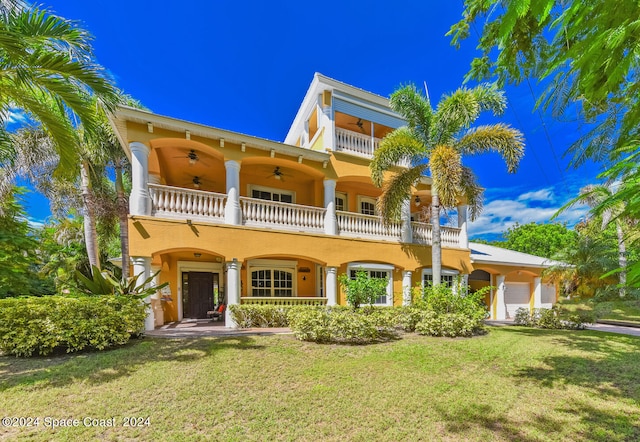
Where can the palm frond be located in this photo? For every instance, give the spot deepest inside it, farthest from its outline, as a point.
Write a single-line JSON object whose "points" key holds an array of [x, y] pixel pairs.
{"points": [[446, 171], [472, 191], [415, 108], [397, 190], [505, 140], [398, 145], [490, 98]]}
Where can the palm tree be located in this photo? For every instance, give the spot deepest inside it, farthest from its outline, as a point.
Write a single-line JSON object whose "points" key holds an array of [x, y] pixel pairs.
{"points": [[597, 198], [434, 140], [47, 71]]}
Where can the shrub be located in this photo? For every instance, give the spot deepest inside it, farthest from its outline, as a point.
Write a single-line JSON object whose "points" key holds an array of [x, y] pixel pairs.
{"points": [[341, 324], [553, 318], [39, 326], [448, 324], [249, 315], [363, 289]]}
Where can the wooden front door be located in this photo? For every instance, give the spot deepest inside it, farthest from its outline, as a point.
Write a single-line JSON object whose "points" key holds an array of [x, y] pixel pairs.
{"points": [[197, 294]]}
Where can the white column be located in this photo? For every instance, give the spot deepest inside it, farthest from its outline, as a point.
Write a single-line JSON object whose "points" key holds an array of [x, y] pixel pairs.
{"points": [[462, 225], [326, 122], [537, 292], [232, 214], [331, 285], [406, 287], [330, 219], [139, 202], [232, 290], [501, 307], [141, 270], [407, 232]]}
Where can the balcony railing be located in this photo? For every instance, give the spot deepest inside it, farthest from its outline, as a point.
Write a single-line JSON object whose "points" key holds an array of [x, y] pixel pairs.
{"points": [[174, 202], [268, 300], [423, 234], [179, 203], [367, 226], [262, 213], [355, 143]]}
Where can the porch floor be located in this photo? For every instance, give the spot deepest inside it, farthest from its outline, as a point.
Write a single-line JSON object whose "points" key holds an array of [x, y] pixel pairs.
{"points": [[196, 328]]}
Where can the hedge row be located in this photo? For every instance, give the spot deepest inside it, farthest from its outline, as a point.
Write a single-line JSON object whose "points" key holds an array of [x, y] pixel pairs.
{"points": [[553, 318], [35, 325], [357, 326]]}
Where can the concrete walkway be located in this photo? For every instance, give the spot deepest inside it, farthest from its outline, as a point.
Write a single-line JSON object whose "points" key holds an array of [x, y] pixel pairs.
{"points": [[207, 328], [611, 328]]}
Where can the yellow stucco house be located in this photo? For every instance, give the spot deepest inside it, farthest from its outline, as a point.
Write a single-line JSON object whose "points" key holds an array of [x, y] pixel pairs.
{"points": [[228, 216]]}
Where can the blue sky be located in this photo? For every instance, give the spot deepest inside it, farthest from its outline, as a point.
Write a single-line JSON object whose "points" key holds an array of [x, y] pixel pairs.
{"points": [[245, 66]]}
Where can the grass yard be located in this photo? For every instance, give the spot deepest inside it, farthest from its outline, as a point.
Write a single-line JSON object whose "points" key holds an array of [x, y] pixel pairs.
{"points": [[512, 384], [625, 311]]}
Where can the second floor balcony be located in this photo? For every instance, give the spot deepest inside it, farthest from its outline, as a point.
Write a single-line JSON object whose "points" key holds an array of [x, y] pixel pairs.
{"points": [[211, 207]]}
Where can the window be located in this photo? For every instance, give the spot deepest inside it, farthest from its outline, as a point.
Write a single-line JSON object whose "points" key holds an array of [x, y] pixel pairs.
{"points": [[447, 277], [367, 205], [341, 201], [272, 278], [265, 193], [375, 271]]}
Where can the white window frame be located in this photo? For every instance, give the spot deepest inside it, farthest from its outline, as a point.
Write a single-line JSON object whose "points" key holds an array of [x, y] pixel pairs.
{"points": [[343, 195], [273, 264], [443, 272], [367, 267], [320, 282], [272, 190], [367, 199]]}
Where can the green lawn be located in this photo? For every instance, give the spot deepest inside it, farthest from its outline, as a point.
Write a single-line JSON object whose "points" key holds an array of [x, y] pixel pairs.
{"points": [[626, 311], [512, 384]]}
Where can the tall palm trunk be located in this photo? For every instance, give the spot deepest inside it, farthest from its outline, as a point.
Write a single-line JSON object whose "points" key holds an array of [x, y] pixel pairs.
{"points": [[123, 215], [90, 233], [622, 259], [436, 243]]}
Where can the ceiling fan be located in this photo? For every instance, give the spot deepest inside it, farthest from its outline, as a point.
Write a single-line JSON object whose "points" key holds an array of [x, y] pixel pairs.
{"points": [[196, 181], [360, 124], [277, 174], [193, 157]]}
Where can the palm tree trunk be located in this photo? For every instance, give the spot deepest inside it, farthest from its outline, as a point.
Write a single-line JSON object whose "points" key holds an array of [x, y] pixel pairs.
{"points": [[622, 259], [90, 233], [436, 243], [123, 215]]}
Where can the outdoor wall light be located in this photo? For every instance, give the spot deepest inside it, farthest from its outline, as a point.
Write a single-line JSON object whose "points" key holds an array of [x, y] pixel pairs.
{"points": [[197, 255], [417, 201]]}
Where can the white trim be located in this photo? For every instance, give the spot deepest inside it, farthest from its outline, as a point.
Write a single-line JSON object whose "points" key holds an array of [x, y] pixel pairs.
{"points": [[272, 190], [366, 199], [443, 272], [345, 197], [368, 266], [320, 282], [273, 264], [192, 266]]}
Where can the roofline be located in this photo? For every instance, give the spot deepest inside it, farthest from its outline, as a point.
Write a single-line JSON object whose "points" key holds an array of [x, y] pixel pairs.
{"points": [[133, 115], [333, 84], [512, 264]]}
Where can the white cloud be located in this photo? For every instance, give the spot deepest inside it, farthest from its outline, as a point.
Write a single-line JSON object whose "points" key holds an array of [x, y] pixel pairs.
{"points": [[538, 195], [534, 206]]}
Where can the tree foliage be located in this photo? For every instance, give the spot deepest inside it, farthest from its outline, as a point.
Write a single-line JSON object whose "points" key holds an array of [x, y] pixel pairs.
{"points": [[47, 70], [19, 258], [546, 240], [363, 289], [590, 58], [434, 142]]}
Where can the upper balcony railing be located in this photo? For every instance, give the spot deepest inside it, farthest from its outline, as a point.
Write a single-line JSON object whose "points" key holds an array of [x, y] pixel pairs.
{"points": [[174, 202], [362, 145], [263, 213], [178, 203], [356, 143]]}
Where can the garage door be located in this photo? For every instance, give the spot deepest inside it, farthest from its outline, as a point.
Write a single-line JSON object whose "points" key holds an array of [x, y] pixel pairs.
{"points": [[516, 295], [548, 295]]}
